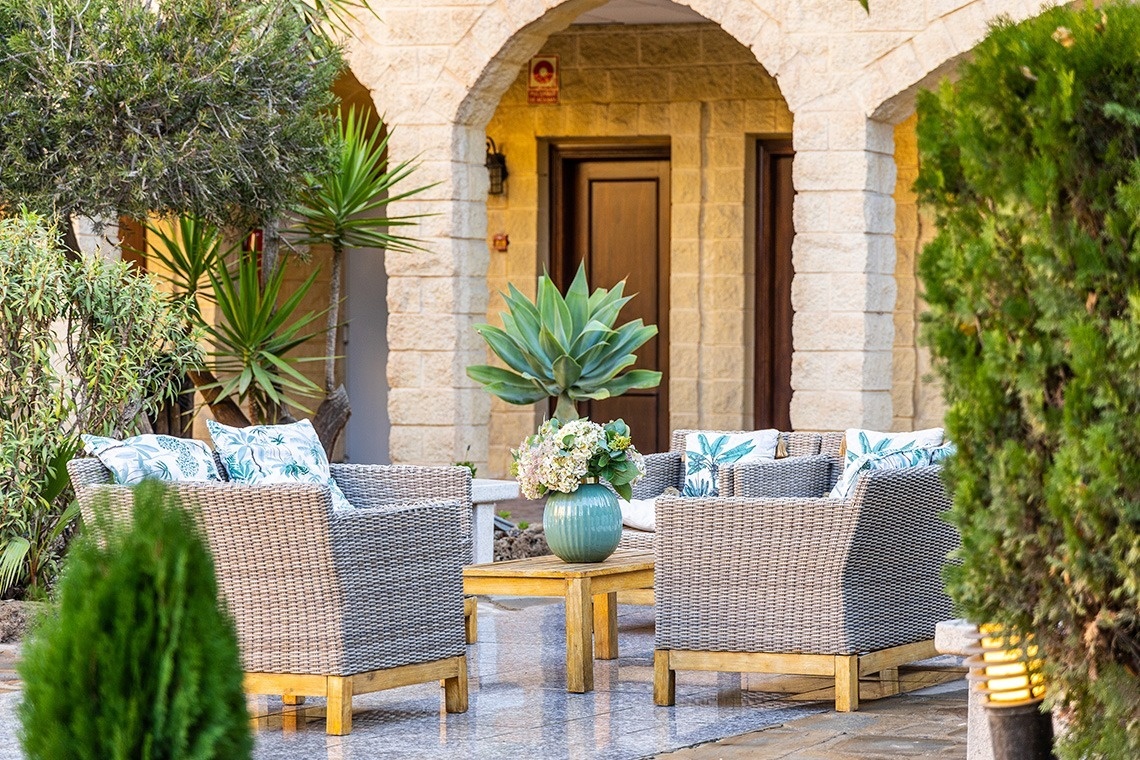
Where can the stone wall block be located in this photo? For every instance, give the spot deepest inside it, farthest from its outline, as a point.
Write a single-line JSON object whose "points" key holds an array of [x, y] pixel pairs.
{"points": [[404, 369], [608, 50], [834, 170], [422, 406], [879, 211], [812, 132], [405, 443], [877, 370], [862, 292], [817, 252], [829, 332], [835, 408], [811, 293], [684, 326], [819, 370], [811, 212], [422, 332]]}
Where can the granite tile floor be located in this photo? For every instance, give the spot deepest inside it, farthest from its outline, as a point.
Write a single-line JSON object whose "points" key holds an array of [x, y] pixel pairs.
{"points": [[519, 708]]}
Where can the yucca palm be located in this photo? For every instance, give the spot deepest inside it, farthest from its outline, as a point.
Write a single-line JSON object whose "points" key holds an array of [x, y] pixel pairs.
{"points": [[564, 347], [188, 256], [344, 209], [252, 338]]}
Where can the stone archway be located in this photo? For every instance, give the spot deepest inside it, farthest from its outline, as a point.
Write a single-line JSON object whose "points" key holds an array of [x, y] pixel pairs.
{"points": [[436, 72]]}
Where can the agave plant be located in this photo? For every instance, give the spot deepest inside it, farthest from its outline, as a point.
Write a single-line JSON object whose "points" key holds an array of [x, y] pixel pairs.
{"points": [[564, 347]]}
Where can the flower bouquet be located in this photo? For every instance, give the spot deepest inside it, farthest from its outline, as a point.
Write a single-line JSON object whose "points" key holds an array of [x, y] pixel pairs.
{"points": [[582, 518], [562, 456]]}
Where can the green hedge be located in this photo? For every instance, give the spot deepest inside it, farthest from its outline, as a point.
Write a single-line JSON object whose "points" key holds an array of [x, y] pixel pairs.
{"points": [[1031, 162]]}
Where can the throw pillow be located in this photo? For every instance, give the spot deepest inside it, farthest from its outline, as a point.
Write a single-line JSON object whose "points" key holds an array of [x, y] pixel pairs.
{"points": [[160, 457], [706, 452], [888, 460], [275, 454], [860, 442], [639, 514]]}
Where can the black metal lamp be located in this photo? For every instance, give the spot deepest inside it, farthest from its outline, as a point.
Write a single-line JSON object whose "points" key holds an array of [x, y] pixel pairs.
{"points": [[496, 168]]}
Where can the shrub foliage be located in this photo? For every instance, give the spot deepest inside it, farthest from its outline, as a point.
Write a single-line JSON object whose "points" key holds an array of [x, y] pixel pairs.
{"points": [[140, 663], [85, 346], [1032, 164], [131, 108]]}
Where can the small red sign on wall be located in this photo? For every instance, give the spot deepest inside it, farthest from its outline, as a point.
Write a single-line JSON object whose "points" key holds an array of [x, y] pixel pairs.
{"points": [[542, 81]]}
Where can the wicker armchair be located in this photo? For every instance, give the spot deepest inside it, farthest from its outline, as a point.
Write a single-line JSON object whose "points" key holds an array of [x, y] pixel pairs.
{"points": [[334, 603], [844, 588], [667, 470]]}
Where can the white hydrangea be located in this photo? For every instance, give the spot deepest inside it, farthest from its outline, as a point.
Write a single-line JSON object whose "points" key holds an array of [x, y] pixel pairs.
{"points": [[557, 460]]}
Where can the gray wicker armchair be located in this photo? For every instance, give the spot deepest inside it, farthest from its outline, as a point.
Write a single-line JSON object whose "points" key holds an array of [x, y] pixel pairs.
{"points": [[334, 603], [785, 476], [844, 588]]}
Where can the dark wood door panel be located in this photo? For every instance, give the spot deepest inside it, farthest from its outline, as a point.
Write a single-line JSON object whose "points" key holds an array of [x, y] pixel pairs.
{"points": [[612, 212], [774, 235]]}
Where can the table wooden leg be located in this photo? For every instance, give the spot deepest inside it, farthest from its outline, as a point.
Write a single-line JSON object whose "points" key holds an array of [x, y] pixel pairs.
{"points": [[579, 636], [605, 626]]}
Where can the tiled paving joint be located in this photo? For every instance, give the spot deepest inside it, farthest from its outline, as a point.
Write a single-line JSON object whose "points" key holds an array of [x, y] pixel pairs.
{"points": [[519, 709]]}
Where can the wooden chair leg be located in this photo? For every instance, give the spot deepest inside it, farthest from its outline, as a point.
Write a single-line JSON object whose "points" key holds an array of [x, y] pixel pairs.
{"points": [[471, 619], [292, 699], [846, 683], [455, 689], [664, 680], [338, 717], [889, 678]]}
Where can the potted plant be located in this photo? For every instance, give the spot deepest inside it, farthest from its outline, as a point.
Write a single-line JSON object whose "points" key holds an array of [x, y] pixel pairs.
{"points": [[567, 462]]}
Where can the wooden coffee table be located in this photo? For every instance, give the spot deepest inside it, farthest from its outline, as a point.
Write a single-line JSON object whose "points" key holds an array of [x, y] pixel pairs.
{"points": [[590, 590]]}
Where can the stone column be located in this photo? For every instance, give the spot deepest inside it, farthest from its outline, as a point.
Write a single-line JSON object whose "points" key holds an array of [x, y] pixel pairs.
{"points": [[434, 298], [843, 292]]}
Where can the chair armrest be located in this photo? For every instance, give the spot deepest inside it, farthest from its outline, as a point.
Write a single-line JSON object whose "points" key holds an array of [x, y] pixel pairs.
{"points": [[794, 477], [750, 575], [369, 485], [400, 576], [661, 471]]}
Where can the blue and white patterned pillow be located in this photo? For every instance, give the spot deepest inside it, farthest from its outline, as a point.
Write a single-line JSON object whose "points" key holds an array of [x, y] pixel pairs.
{"points": [[860, 442], [888, 460], [275, 454], [707, 452], [160, 457]]}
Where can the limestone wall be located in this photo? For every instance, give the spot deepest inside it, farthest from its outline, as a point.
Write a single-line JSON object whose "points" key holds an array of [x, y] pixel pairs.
{"points": [[916, 400], [705, 93]]}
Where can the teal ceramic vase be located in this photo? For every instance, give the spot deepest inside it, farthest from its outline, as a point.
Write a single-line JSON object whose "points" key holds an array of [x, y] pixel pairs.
{"points": [[584, 526]]}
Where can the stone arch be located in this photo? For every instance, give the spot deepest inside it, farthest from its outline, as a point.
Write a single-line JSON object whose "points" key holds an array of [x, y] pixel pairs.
{"points": [[503, 39], [892, 82], [889, 87]]}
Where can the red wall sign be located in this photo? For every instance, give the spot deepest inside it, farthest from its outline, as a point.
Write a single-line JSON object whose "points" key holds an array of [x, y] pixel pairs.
{"points": [[542, 80]]}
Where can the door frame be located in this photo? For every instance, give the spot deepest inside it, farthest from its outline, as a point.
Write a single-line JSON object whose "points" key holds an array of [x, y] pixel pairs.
{"points": [[560, 226], [766, 148]]}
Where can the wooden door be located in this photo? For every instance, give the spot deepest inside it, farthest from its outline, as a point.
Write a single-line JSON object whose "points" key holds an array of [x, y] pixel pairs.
{"points": [[774, 234], [611, 211]]}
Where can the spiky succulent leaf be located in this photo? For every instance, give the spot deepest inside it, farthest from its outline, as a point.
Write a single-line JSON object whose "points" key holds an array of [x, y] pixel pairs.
{"points": [[564, 346]]}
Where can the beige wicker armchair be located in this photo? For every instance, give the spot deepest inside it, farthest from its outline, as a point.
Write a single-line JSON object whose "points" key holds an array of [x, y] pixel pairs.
{"points": [[334, 603], [844, 588]]}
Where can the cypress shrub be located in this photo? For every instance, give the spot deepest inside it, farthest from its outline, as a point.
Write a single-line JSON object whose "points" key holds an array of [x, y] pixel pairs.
{"points": [[1031, 162], [139, 663]]}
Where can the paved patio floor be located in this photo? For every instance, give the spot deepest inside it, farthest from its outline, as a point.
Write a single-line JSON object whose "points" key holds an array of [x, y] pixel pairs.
{"points": [[519, 709]]}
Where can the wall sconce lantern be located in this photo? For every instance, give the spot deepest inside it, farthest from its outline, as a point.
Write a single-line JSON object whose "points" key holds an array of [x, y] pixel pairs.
{"points": [[496, 168]]}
